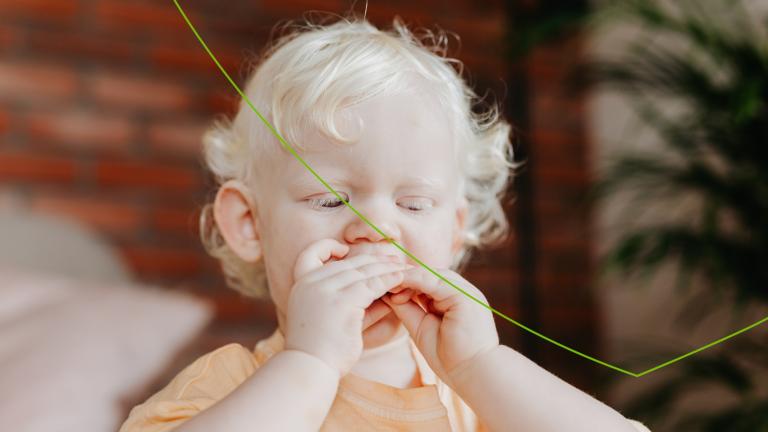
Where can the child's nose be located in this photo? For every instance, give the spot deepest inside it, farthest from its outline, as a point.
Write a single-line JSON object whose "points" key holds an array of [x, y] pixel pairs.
{"points": [[382, 218], [362, 231]]}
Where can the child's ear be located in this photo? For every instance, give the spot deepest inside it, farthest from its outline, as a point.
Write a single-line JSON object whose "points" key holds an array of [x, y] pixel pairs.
{"points": [[235, 215], [461, 224]]}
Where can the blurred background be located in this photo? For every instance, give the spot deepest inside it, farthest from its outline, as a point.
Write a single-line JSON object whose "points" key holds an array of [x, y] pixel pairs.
{"points": [[639, 223]]}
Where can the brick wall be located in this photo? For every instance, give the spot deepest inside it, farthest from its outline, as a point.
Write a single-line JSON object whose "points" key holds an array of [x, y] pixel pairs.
{"points": [[560, 174], [102, 105]]}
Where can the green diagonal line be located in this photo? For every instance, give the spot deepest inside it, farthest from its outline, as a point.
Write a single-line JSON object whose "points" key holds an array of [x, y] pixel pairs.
{"points": [[289, 148]]}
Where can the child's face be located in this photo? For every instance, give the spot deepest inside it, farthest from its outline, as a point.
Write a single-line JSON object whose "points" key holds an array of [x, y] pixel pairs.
{"points": [[402, 162]]}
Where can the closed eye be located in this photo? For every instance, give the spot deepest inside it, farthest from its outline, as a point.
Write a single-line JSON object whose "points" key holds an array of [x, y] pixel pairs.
{"points": [[415, 205], [328, 203]]}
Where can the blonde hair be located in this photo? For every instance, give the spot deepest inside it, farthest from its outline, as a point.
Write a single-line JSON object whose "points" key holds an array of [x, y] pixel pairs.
{"points": [[312, 72]]}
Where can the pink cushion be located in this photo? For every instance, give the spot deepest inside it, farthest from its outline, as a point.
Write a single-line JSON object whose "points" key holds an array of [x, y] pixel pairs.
{"points": [[70, 350]]}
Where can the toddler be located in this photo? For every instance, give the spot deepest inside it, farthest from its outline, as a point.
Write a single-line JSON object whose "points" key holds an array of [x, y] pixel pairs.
{"points": [[367, 339]]}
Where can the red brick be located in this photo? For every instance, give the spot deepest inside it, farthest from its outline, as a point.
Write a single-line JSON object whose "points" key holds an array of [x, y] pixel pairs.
{"points": [[223, 101], [36, 81], [4, 121], [248, 34], [542, 73], [566, 222], [478, 64], [279, 7], [27, 167], [454, 7], [140, 174], [136, 15], [553, 141], [178, 220], [9, 37], [560, 279], [567, 320], [564, 295], [558, 238], [550, 176], [234, 308], [64, 11], [559, 207], [570, 157], [562, 51], [483, 32], [486, 277], [101, 213], [81, 46], [557, 103], [495, 283], [82, 130], [567, 261], [177, 138], [195, 59], [169, 262], [553, 111], [138, 92]]}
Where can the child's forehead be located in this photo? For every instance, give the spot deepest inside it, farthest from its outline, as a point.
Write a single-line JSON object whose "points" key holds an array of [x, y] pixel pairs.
{"points": [[403, 134], [388, 122], [414, 171]]}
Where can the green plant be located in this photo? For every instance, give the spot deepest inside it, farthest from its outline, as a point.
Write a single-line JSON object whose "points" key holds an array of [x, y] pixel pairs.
{"points": [[710, 61]]}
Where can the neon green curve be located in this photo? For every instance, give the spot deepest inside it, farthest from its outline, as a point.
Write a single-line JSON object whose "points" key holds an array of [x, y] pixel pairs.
{"points": [[289, 148]]}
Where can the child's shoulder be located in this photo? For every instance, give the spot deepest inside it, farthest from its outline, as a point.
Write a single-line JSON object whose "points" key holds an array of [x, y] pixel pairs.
{"points": [[199, 385], [211, 376], [218, 371]]}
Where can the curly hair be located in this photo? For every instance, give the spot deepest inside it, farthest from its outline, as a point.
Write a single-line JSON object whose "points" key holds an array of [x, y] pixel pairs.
{"points": [[316, 69]]}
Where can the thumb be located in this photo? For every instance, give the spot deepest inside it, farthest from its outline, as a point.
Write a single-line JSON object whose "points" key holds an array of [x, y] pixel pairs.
{"points": [[409, 313], [316, 255]]}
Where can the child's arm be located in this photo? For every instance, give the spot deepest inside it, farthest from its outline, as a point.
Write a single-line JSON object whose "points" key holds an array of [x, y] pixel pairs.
{"points": [[292, 391], [508, 391], [295, 388]]}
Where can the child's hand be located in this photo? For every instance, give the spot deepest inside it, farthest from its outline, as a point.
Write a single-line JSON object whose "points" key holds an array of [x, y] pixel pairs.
{"points": [[327, 303], [454, 329]]}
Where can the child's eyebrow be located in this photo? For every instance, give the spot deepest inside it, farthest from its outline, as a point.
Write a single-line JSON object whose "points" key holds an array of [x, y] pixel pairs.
{"points": [[410, 180], [303, 181], [416, 180]]}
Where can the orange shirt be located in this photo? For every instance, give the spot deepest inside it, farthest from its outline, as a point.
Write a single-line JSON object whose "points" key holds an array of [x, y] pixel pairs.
{"points": [[360, 404]]}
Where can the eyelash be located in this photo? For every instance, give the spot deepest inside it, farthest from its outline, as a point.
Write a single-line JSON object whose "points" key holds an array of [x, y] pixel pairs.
{"points": [[321, 202]]}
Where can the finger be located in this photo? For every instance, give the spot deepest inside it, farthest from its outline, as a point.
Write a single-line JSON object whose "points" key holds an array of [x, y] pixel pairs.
{"points": [[402, 296], [422, 281], [426, 303], [411, 314], [355, 278], [335, 268], [409, 294], [443, 295], [362, 293], [376, 311], [316, 254]]}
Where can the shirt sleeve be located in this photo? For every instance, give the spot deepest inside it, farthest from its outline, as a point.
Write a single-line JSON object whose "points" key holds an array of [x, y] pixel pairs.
{"points": [[207, 380]]}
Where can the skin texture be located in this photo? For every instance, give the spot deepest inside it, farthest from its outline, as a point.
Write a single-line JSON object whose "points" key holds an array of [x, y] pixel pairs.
{"points": [[337, 295], [385, 175]]}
